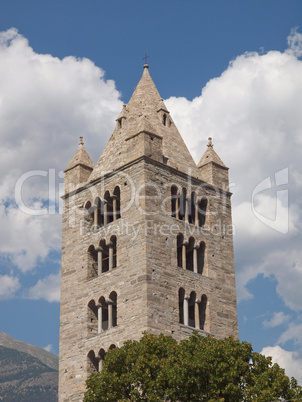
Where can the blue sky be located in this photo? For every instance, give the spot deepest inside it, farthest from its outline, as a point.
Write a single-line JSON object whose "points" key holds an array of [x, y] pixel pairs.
{"points": [[231, 70]]}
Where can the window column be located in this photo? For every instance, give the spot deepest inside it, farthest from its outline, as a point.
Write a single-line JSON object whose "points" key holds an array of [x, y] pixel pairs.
{"points": [[187, 210], [196, 213], [100, 260], [109, 303], [105, 212], [100, 318], [197, 307], [95, 219], [177, 203], [195, 259], [184, 255], [186, 310], [110, 245], [114, 202]]}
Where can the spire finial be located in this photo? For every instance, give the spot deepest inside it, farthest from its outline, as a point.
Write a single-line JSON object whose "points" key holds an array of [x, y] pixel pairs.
{"points": [[210, 144], [145, 58], [81, 142]]}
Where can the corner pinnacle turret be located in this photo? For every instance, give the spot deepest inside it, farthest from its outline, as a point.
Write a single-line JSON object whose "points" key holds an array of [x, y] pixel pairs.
{"points": [[212, 169], [210, 156], [78, 169]]}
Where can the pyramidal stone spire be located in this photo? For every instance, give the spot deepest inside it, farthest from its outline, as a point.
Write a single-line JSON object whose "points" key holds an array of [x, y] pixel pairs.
{"points": [[212, 169], [81, 157], [78, 169], [144, 118], [210, 156]]}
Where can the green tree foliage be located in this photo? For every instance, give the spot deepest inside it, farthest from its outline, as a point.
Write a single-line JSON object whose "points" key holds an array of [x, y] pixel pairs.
{"points": [[157, 368]]}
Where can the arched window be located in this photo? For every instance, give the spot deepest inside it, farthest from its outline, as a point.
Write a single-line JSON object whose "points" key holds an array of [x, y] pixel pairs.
{"points": [[92, 262], [92, 363], [192, 207], [174, 202], [164, 119], [113, 309], [112, 347], [202, 311], [113, 253], [103, 317], [181, 296], [119, 123], [191, 306], [101, 357], [202, 211], [189, 254], [89, 214], [98, 218], [108, 210], [180, 240], [92, 318], [182, 204], [201, 258], [116, 203], [104, 256]]}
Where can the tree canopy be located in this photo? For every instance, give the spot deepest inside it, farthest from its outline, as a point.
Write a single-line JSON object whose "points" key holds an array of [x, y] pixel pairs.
{"points": [[158, 368]]}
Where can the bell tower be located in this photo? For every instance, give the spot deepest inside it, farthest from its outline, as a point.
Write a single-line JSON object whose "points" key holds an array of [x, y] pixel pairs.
{"points": [[147, 242]]}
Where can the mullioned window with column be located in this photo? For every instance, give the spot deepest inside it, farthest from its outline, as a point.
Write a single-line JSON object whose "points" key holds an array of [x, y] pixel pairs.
{"points": [[102, 314], [189, 208], [95, 360], [192, 310], [101, 212], [101, 258], [191, 254]]}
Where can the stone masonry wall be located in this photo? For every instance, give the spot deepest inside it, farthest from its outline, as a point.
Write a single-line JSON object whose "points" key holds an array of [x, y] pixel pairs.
{"points": [[147, 278]]}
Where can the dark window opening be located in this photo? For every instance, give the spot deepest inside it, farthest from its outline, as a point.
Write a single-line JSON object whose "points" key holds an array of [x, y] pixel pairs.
{"points": [[202, 211], [181, 296], [179, 250], [192, 309], [164, 119]]}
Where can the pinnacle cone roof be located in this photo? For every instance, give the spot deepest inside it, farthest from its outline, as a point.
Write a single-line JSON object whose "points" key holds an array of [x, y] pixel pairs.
{"points": [[81, 157], [144, 112], [210, 156]]}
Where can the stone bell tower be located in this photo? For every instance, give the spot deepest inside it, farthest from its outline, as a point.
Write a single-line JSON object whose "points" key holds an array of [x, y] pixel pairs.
{"points": [[147, 242]]}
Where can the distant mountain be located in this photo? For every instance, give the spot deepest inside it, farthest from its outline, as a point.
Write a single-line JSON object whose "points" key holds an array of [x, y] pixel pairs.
{"points": [[47, 358], [30, 376]]}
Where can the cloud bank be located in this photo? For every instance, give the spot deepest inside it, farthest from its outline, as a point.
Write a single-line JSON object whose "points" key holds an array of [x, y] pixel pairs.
{"points": [[253, 113], [45, 105]]}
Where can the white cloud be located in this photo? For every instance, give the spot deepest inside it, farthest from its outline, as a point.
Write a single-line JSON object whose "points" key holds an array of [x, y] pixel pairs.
{"points": [[45, 105], [295, 43], [9, 285], [278, 318], [290, 361], [27, 239], [49, 348], [287, 269], [293, 333], [252, 112], [47, 288]]}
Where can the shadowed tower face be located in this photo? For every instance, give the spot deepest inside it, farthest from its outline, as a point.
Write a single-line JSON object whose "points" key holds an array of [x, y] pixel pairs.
{"points": [[147, 242]]}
